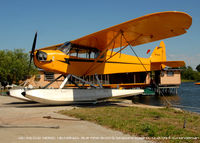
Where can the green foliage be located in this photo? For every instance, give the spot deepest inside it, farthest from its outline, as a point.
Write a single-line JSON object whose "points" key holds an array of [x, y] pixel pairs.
{"points": [[149, 129], [198, 68], [188, 73], [14, 66]]}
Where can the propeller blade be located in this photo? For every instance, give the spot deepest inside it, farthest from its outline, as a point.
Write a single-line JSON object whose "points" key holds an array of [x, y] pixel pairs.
{"points": [[33, 49]]}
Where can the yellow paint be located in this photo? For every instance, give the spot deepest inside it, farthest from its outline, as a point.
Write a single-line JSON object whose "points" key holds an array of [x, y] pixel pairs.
{"points": [[120, 86], [145, 29], [120, 63], [159, 53], [138, 31]]}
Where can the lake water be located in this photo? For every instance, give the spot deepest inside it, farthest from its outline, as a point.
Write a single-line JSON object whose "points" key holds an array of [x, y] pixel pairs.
{"points": [[188, 98]]}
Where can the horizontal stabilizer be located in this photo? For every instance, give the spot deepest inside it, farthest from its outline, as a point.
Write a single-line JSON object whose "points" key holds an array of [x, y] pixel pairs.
{"points": [[162, 65]]}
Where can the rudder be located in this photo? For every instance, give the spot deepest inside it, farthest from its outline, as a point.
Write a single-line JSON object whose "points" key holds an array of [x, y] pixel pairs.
{"points": [[159, 53]]}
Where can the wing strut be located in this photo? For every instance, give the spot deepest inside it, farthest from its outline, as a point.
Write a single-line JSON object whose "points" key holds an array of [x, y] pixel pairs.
{"points": [[65, 81], [128, 43], [103, 52], [52, 82], [134, 52], [112, 47]]}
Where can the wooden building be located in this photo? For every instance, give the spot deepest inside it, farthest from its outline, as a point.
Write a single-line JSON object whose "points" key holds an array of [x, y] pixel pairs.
{"points": [[163, 82], [167, 77], [167, 81], [43, 78]]}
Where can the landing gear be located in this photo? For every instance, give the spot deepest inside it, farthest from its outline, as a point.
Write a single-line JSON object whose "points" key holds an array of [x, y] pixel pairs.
{"points": [[62, 96]]}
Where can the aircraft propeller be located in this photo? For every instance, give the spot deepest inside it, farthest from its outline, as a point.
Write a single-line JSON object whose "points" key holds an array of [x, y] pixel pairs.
{"points": [[33, 49]]}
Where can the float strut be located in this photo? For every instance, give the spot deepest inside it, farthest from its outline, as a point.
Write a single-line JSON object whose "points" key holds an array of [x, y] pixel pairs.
{"points": [[52, 82], [65, 81]]}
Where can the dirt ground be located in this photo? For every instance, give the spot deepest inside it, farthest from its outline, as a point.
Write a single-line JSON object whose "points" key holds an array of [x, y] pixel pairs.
{"points": [[22, 122]]}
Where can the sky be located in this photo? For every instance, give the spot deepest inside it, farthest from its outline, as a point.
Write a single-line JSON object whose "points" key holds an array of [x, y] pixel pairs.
{"points": [[58, 21]]}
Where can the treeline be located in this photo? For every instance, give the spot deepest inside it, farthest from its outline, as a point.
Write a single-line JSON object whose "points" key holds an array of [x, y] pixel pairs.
{"points": [[14, 66], [188, 73]]}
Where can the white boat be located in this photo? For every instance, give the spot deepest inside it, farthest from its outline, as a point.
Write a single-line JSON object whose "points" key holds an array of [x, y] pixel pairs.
{"points": [[17, 93], [67, 96]]}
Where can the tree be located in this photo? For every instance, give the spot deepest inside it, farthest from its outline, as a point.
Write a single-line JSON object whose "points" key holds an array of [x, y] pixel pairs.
{"points": [[14, 66], [198, 68], [189, 74]]}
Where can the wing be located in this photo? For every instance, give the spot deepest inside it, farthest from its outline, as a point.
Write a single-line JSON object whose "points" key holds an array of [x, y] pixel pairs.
{"points": [[138, 31], [54, 47]]}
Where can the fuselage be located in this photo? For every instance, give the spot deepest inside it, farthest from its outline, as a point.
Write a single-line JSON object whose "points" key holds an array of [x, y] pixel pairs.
{"points": [[87, 62]]}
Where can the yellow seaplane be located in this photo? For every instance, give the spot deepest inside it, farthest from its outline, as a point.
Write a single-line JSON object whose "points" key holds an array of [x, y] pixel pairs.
{"points": [[99, 53]]}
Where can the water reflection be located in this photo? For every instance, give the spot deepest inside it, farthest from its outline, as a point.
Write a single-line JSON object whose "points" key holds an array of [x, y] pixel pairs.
{"points": [[188, 98], [156, 100]]}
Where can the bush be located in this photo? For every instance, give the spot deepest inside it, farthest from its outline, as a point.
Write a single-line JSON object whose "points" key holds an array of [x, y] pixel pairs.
{"points": [[14, 66]]}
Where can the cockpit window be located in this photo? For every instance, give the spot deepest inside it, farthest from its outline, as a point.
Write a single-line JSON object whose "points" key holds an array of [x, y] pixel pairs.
{"points": [[79, 51], [65, 47]]}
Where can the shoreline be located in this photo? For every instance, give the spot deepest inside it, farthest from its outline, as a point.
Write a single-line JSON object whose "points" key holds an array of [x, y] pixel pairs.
{"points": [[185, 80]]}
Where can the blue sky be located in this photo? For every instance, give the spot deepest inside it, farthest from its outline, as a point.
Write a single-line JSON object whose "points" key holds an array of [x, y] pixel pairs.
{"points": [[57, 21]]}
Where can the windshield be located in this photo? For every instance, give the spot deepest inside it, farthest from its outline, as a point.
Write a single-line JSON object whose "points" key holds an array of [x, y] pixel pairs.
{"points": [[65, 47], [79, 50]]}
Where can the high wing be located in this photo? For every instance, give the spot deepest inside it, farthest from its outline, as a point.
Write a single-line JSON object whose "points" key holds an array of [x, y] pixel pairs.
{"points": [[138, 31]]}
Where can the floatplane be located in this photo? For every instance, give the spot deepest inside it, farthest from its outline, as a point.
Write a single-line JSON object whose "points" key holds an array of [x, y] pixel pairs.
{"points": [[94, 55]]}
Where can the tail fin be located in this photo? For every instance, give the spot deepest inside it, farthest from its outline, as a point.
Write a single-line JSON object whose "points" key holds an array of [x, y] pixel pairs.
{"points": [[159, 53]]}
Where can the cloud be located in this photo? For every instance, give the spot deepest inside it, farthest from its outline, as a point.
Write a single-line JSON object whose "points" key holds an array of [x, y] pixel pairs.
{"points": [[192, 61]]}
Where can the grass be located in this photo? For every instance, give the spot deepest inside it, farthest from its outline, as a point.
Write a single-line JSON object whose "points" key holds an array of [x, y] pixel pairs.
{"points": [[187, 80], [142, 121], [3, 92]]}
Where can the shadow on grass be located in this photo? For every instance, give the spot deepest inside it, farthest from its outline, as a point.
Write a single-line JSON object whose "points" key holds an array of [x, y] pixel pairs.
{"points": [[82, 105], [99, 104]]}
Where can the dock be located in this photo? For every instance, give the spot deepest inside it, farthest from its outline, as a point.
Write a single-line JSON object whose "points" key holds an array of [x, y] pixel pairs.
{"points": [[167, 90]]}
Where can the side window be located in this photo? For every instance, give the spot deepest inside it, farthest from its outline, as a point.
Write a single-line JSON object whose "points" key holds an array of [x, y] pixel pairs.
{"points": [[83, 52], [92, 55], [49, 76], [170, 73]]}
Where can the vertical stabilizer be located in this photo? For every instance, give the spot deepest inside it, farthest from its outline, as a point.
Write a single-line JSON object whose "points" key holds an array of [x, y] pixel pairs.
{"points": [[159, 53]]}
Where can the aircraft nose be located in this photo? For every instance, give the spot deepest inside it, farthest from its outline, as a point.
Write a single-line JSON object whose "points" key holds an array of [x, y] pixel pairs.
{"points": [[41, 56]]}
